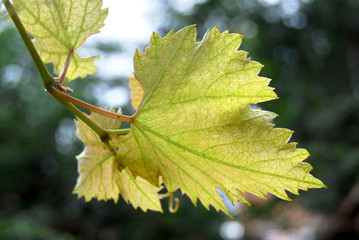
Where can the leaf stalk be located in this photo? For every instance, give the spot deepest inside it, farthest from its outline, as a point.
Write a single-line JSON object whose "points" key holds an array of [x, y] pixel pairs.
{"points": [[62, 75], [118, 131], [78, 102]]}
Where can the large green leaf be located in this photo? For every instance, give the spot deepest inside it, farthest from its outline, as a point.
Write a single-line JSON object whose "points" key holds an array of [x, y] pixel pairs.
{"points": [[195, 126], [60, 26], [99, 175]]}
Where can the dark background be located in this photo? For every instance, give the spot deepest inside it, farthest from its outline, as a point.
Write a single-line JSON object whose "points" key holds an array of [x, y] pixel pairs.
{"points": [[311, 51]]}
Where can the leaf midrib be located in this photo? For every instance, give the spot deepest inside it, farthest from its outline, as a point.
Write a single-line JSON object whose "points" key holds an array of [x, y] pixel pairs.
{"points": [[140, 127], [188, 174], [270, 97]]}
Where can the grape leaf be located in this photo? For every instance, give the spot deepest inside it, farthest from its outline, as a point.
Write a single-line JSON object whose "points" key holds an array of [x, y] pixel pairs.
{"points": [[60, 27], [195, 126], [99, 175]]}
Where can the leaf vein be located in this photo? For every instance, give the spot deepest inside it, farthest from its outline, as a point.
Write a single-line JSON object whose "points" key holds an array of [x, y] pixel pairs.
{"points": [[218, 160]]}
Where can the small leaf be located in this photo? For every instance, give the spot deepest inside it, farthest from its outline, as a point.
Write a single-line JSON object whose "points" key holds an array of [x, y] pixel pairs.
{"points": [[61, 26], [195, 126], [99, 175]]}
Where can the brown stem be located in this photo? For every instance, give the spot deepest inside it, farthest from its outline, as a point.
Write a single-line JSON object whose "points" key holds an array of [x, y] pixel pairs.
{"points": [[88, 106]]}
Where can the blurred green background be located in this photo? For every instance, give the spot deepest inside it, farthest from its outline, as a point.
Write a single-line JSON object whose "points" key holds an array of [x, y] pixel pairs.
{"points": [[310, 48]]}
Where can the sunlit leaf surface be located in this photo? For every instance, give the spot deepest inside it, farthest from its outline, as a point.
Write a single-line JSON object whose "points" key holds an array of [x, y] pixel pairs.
{"points": [[99, 176], [195, 126], [59, 27]]}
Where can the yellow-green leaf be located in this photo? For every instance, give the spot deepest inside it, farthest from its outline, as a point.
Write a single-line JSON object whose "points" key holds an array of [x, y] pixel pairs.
{"points": [[61, 26], [136, 92], [195, 126], [99, 176]]}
